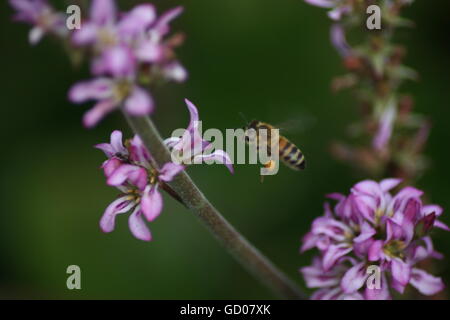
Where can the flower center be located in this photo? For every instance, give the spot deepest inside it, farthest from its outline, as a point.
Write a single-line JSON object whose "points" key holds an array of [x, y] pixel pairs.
{"points": [[153, 176], [394, 248], [106, 38], [122, 89]]}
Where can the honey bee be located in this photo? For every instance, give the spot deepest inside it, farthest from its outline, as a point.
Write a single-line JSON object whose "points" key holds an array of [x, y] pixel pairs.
{"points": [[288, 152]]}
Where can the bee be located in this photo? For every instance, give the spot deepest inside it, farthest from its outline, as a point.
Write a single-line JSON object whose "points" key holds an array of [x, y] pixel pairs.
{"points": [[289, 153]]}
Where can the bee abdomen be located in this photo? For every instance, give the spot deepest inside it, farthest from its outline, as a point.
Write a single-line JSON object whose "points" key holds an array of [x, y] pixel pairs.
{"points": [[292, 156]]}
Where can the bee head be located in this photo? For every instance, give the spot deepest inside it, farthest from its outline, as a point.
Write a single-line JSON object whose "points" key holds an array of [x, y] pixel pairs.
{"points": [[252, 125], [250, 135]]}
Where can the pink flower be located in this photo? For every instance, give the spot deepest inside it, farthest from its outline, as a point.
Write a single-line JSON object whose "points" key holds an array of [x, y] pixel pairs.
{"points": [[110, 38], [337, 35], [138, 31], [338, 7], [126, 51], [385, 127], [129, 170], [374, 227], [110, 94], [41, 16], [328, 281], [192, 148]]}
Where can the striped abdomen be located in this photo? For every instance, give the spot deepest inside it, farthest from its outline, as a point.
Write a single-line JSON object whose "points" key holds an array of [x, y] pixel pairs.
{"points": [[291, 155]]}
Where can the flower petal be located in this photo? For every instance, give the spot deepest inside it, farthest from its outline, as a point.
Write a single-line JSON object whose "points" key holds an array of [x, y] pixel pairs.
{"points": [[393, 230], [139, 178], [106, 148], [97, 89], [354, 278], [118, 61], [138, 227], [103, 11], [378, 294], [331, 228], [139, 103], [98, 112], [218, 156], [375, 251], [162, 25], [425, 282], [339, 41], [333, 253], [430, 208], [116, 142], [35, 35], [175, 71], [171, 142], [366, 232], [169, 171], [385, 126], [118, 206], [317, 278], [122, 174], [398, 203], [441, 225], [152, 203], [86, 35], [309, 241], [138, 152], [137, 20], [401, 271], [111, 165], [388, 184], [194, 117], [149, 50], [321, 3]]}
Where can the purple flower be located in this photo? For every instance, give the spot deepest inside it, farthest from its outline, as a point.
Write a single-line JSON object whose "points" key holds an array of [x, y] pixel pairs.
{"points": [[385, 127], [328, 281], [338, 7], [372, 227], [152, 48], [110, 94], [126, 51], [41, 16], [111, 39], [339, 41], [138, 31], [129, 170], [192, 148]]}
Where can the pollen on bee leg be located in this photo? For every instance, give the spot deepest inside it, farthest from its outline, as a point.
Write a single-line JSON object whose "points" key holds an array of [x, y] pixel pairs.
{"points": [[270, 168], [270, 165]]}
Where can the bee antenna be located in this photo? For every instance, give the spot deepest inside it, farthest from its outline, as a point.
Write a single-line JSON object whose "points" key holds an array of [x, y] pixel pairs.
{"points": [[243, 117]]}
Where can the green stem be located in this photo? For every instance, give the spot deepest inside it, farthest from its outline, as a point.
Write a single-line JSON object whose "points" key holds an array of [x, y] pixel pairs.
{"points": [[255, 262]]}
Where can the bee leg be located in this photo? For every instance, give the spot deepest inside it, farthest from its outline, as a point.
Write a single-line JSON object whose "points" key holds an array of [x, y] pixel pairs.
{"points": [[270, 165]]}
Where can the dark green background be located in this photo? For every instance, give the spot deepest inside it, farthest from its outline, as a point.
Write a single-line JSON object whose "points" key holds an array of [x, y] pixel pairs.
{"points": [[269, 59]]}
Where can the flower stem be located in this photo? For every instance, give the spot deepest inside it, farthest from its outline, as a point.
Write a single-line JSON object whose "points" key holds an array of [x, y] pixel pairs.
{"points": [[255, 262]]}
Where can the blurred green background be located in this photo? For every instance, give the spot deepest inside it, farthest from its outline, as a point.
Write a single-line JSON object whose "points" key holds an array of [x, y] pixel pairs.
{"points": [[269, 59]]}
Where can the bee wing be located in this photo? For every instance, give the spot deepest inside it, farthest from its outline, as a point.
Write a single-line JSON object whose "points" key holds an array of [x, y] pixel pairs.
{"points": [[295, 125], [296, 122]]}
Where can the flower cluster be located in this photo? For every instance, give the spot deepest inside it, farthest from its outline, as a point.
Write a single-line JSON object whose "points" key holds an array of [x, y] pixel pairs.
{"points": [[41, 16], [128, 51], [191, 148], [129, 169], [372, 227]]}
